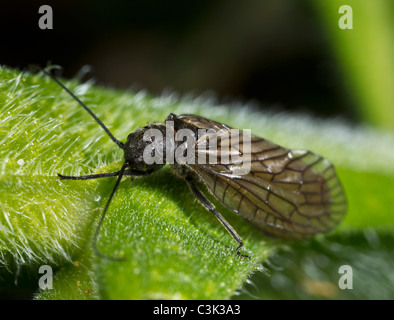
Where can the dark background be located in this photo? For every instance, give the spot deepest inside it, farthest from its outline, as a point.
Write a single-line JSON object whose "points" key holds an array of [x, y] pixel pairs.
{"points": [[274, 52]]}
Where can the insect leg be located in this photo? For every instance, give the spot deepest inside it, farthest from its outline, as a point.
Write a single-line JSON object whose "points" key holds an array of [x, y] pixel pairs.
{"points": [[126, 173], [95, 249], [211, 208], [120, 174]]}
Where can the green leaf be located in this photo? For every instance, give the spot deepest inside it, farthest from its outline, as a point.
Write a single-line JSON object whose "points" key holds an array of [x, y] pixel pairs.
{"points": [[173, 247], [45, 220], [72, 281], [167, 235]]}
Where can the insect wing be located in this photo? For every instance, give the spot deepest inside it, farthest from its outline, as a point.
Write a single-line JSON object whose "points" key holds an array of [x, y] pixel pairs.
{"points": [[192, 121], [287, 193]]}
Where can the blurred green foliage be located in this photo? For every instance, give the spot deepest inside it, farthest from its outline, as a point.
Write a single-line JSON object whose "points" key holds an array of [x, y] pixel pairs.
{"points": [[366, 55], [311, 270]]}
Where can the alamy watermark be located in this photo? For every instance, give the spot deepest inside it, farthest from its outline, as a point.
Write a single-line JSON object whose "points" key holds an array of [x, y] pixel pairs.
{"points": [[346, 19], [46, 20], [230, 147], [346, 280], [45, 281]]}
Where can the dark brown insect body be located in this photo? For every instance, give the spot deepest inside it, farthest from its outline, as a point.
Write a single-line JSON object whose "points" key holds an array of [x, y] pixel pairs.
{"points": [[291, 194]]}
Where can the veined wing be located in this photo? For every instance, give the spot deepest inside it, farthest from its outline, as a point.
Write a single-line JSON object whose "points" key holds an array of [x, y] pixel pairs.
{"points": [[192, 121], [287, 193]]}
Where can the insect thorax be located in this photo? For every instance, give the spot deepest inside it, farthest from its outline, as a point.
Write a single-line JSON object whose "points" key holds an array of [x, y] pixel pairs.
{"points": [[145, 140], [152, 146]]}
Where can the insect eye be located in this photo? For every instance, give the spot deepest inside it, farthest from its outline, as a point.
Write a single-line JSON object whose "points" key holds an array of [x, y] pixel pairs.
{"points": [[171, 116]]}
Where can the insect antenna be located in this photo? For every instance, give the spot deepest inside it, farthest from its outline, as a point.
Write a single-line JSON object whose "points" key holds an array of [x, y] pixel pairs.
{"points": [[120, 173], [119, 143], [96, 234]]}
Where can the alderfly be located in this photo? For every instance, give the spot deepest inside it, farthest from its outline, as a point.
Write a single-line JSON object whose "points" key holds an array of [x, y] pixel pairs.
{"points": [[290, 194]]}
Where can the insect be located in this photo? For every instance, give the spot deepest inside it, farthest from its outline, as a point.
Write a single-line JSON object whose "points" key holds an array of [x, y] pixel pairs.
{"points": [[290, 194]]}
